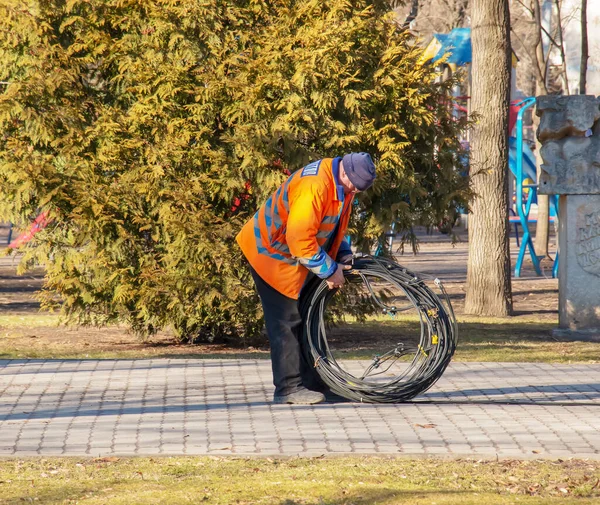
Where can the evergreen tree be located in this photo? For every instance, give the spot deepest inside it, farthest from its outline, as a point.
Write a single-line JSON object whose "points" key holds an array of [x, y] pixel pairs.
{"points": [[151, 131]]}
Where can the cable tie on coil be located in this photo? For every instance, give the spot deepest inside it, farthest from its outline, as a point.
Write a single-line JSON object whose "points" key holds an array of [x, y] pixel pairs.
{"points": [[376, 360], [319, 358]]}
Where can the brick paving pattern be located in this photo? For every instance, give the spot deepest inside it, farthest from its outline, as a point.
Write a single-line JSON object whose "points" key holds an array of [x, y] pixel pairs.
{"points": [[172, 407]]}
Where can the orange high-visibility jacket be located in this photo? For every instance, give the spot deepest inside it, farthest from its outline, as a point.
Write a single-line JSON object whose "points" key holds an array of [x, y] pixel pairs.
{"points": [[293, 231]]}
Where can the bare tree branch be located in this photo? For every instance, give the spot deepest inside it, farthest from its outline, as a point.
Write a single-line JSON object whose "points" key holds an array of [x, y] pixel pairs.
{"points": [[584, 49], [531, 54], [550, 37], [542, 60], [528, 9], [546, 32], [559, 30]]}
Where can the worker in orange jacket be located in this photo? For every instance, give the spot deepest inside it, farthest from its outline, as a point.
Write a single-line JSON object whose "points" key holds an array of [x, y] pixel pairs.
{"points": [[299, 232]]}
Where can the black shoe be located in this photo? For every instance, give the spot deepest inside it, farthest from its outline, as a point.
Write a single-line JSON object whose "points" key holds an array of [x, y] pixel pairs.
{"points": [[301, 397]]}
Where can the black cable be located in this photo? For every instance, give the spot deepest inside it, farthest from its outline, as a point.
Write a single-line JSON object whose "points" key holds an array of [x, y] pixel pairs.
{"points": [[431, 354]]}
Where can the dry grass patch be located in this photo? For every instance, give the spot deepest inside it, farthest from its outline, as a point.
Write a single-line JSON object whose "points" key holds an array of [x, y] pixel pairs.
{"points": [[480, 339], [306, 481]]}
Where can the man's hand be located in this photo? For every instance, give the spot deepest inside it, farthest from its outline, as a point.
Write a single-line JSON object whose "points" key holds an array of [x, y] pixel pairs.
{"points": [[337, 279]]}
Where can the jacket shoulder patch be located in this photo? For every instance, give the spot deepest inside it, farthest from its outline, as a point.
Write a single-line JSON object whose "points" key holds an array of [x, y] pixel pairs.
{"points": [[311, 169]]}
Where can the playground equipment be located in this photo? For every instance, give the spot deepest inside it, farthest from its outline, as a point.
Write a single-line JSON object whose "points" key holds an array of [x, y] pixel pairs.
{"points": [[9, 228], [38, 224], [523, 167], [454, 50], [454, 47]]}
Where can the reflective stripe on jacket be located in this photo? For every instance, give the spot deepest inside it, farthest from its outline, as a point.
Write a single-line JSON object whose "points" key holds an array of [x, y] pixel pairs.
{"points": [[293, 231]]}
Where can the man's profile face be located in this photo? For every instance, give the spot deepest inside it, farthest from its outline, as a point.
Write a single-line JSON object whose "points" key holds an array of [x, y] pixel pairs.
{"points": [[349, 188]]}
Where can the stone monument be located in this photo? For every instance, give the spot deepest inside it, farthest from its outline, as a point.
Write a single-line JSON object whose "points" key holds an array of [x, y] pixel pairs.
{"points": [[569, 131]]}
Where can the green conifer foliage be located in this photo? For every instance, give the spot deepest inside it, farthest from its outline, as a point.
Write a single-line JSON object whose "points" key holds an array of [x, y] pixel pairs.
{"points": [[137, 124]]}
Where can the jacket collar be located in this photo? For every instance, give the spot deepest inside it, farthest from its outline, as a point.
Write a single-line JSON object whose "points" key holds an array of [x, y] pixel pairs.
{"points": [[335, 170]]}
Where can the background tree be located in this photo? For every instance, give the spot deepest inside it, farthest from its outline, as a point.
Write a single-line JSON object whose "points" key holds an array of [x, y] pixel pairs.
{"points": [[488, 270], [584, 49], [538, 46], [542, 229], [151, 131], [435, 16]]}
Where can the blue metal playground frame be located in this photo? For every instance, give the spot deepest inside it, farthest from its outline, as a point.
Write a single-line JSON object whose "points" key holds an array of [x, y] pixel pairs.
{"points": [[524, 205]]}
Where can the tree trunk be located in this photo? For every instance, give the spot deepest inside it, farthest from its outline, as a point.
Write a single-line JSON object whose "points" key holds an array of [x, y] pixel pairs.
{"points": [[488, 272], [541, 59], [560, 35], [584, 49], [542, 227]]}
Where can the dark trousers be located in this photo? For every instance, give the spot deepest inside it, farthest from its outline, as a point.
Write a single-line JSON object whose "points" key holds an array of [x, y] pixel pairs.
{"points": [[284, 328]]}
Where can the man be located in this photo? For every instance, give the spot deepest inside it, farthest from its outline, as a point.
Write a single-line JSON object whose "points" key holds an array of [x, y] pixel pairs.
{"points": [[299, 231]]}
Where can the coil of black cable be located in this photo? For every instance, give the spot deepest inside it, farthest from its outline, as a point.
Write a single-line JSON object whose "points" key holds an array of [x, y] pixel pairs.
{"points": [[424, 360]]}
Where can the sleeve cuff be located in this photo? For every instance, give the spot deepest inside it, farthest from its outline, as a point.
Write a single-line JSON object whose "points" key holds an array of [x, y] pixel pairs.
{"points": [[322, 265], [332, 269]]}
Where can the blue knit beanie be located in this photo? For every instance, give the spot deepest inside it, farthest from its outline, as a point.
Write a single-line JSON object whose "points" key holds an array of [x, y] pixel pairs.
{"points": [[360, 170]]}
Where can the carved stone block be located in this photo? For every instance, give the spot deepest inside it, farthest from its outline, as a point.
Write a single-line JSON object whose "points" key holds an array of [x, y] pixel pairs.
{"points": [[571, 166], [579, 276], [570, 135], [566, 116]]}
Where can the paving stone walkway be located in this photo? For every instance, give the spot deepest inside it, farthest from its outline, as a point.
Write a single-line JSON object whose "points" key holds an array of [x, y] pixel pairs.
{"points": [[146, 407]]}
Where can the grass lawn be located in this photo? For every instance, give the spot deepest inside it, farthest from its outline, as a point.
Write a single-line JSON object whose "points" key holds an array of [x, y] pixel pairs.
{"points": [[358, 481], [480, 339]]}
